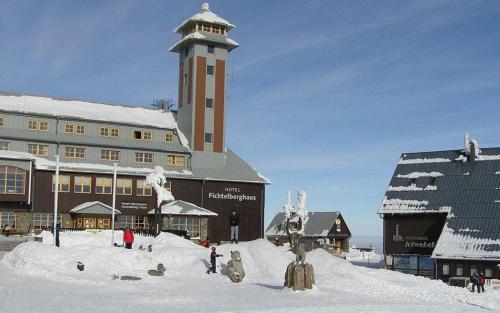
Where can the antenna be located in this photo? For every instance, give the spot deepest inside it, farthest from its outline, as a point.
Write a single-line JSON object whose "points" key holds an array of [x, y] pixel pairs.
{"points": [[163, 104]]}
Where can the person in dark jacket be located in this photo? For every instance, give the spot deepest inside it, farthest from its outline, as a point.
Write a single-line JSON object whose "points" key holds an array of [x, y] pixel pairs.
{"points": [[213, 257], [475, 282], [128, 238], [482, 281], [234, 222]]}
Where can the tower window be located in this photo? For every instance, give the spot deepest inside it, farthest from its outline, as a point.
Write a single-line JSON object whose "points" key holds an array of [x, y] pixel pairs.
{"points": [[211, 49], [186, 52], [208, 137], [209, 103], [185, 79], [210, 70]]}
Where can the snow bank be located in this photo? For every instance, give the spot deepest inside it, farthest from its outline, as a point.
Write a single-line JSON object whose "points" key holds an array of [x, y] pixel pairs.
{"points": [[415, 175]]}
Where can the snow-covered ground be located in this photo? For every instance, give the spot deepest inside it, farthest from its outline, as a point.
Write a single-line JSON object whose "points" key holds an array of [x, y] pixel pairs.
{"points": [[37, 277]]}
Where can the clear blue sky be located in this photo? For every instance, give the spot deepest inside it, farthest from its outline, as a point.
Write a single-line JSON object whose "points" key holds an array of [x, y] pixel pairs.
{"points": [[324, 95]]}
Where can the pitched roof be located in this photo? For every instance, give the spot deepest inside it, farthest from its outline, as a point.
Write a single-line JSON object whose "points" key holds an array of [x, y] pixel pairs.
{"points": [[318, 225], [95, 207], [205, 15], [179, 207], [447, 182], [86, 110]]}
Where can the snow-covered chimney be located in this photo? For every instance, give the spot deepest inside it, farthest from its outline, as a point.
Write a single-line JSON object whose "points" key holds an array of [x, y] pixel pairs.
{"points": [[471, 147]]}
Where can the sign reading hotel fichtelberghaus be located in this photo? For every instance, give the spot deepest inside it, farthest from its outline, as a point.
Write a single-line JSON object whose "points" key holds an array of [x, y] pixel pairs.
{"points": [[232, 193]]}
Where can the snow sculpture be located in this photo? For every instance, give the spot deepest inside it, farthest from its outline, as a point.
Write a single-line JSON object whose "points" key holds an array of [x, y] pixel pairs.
{"points": [[235, 269], [157, 180], [299, 274]]}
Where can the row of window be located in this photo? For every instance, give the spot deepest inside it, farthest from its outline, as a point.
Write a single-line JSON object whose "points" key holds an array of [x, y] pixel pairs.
{"points": [[106, 155], [488, 270], [46, 220], [216, 29], [71, 128], [103, 185]]}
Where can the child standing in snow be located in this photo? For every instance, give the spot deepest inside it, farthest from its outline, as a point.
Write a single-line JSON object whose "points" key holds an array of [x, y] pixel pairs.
{"points": [[482, 281], [213, 256], [128, 238]]}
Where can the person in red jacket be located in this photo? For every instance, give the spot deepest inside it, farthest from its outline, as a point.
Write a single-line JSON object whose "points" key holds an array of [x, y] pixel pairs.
{"points": [[128, 238], [482, 281]]}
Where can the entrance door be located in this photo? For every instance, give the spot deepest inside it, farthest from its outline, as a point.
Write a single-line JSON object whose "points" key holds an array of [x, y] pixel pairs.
{"points": [[89, 223], [79, 223]]}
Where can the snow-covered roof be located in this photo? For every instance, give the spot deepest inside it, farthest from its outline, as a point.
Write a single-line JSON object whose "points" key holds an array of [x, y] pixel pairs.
{"points": [[319, 224], [204, 36], [452, 183], [476, 242], [94, 207], [205, 15], [86, 110], [179, 207]]}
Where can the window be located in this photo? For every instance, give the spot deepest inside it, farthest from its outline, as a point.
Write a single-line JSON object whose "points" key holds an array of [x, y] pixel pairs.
{"points": [[206, 28], [8, 218], [103, 185], [169, 136], [109, 132], [133, 222], [185, 79], [208, 138], [446, 270], [74, 129], [210, 49], [488, 271], [83, 184], [186, 51], [143, 135], [38, 125], [40, 150], [123, 186], [216, 29], [45, 220], [75, 153], [191, 224], [210, 70], [2, 123], [143, 157], [12, 179], [209, 103], [460, 270], [175, 160], [64, 183], [4, 145], [110, 155], [473, 269], [141, 189]]}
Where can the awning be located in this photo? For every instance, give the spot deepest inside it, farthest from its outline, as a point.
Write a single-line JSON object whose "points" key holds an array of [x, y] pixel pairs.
{"points": [[179, 207], [95, 207]]}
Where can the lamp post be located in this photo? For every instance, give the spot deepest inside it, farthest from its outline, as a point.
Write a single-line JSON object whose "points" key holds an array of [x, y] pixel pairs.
{"points": [[56, 198], [113, 205]]}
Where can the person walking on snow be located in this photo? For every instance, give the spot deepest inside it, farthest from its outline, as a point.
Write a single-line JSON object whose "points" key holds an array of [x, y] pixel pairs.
{"points": [[213, 257], [234, 222], [482, 281], [128, 238], [475, 282], [6, 230]]}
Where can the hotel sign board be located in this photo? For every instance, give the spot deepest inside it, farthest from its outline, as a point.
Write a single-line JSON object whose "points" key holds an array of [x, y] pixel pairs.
{"points": [[417, 234], [134, 205], [232, 194]]}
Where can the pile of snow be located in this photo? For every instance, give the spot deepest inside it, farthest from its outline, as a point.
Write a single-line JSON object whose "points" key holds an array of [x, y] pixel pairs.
{"points": [[186, 284], [424, 160]]}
